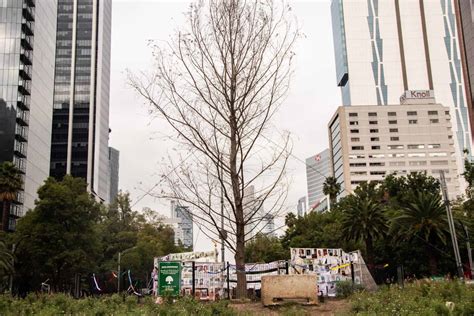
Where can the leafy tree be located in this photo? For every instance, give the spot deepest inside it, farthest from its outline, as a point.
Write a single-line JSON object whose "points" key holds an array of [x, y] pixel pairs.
{"points": [[424, 217], [364, 218], [140, 238], [401, 190], [331, 188], [10, 183], [59, 237], [264, 248], [6, 259], [316, 230]]}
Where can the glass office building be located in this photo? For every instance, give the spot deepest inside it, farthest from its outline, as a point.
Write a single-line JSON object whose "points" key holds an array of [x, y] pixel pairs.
{"points": [[81, 93], [27, 38]]}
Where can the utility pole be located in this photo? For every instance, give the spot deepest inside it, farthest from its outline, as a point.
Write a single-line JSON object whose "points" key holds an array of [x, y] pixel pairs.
{"points": [[452, 229]]}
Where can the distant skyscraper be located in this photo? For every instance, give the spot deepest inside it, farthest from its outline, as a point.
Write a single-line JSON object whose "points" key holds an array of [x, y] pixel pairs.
{"points": [[249, 207], [81, 99], [318, 168], [27, 37], [302, 207], [114, 157], [183, 230], [268, 225], [384, 48]]}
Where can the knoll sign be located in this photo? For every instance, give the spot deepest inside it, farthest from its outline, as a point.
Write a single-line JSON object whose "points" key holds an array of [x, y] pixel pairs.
{"points": [[417, 95]]}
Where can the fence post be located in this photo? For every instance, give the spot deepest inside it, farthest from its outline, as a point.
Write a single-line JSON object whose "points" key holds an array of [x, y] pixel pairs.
{"points": [[401, 277], [287, 268], [193, 273], [352, 273], [228, 281]]}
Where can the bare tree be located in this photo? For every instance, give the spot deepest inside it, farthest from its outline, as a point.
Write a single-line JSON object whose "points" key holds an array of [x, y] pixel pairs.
{"points": [[218, 84]]}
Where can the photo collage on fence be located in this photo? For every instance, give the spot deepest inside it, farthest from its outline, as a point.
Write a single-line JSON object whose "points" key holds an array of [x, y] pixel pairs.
{"points": [[254, 273], [331, 266]]}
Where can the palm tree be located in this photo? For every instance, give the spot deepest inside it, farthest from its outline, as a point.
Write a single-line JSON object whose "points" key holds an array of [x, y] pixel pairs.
{"points": [[6, 260], [364, 220], [10, 183], [424, 217], [331, 188]]}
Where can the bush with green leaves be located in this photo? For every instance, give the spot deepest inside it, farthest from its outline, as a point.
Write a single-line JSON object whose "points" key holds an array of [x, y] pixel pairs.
{"points": [[422, 298], [60, 304], [345, 289]]}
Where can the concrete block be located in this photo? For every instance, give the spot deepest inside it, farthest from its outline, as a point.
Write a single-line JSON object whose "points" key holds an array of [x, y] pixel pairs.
{"points": [[289, 287]]}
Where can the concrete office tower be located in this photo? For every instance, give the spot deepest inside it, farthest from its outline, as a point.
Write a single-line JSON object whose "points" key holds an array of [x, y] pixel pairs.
{"points": [[183, 227], [27, 38], [81, 99], [384, 48], [301, 207], [318, 168], [114, 165], [465, 12], [376, 141]]}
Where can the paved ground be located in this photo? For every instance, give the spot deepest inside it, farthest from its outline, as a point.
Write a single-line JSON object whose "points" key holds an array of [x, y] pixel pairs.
{"points": [[331, 307]]}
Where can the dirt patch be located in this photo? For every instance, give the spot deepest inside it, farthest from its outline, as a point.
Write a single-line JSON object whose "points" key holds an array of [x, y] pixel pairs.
{"points": [[329, 307]]}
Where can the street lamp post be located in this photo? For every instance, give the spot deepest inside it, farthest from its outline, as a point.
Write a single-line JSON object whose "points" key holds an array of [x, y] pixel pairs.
{"points": [[119, 276]]}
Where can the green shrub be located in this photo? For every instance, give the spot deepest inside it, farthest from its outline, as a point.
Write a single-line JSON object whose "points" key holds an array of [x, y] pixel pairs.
{"points": [[60, 304], [345, 289], [424, 298]]}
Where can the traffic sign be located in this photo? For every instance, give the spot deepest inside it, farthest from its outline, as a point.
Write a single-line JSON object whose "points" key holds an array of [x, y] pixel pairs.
{"points": [[170, 278]]}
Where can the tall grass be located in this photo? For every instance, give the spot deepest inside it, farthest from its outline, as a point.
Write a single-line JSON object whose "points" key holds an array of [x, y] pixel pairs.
{"points": [[424, 298], [61, 304]]}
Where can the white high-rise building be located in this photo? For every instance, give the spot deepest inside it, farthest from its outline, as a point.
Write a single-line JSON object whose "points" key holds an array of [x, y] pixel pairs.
{"points": [[370, 142], [318, 168], [384, 48]]}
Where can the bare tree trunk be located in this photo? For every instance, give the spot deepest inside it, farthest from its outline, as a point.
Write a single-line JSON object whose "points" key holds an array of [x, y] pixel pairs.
{"points": [[240, 263], [217, 84]]}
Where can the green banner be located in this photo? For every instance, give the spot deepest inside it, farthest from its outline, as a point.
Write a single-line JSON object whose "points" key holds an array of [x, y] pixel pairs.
{"points": [[169, 282]]}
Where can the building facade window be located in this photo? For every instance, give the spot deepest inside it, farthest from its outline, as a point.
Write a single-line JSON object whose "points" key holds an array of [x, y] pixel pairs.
{"points": [[394, 130], [374, 130], [412, 122], [411, 113]]}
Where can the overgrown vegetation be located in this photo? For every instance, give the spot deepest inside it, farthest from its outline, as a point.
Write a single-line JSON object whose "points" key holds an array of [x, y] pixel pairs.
{"points": [[60, 304], [424, 298]]}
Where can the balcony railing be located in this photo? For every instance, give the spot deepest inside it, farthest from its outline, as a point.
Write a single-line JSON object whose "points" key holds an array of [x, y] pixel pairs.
{"points": [[31, 3], [23, 117], [26, 42], [20, 149], [23, 102], [27, 27], [25, 72], [26, 56], [28, 12], [16, 210], [24, 86], [20, 163], [21, 133]]}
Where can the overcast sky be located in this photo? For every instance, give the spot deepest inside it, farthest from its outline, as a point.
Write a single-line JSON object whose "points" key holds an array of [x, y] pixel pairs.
{"points": [[311, 102]]}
